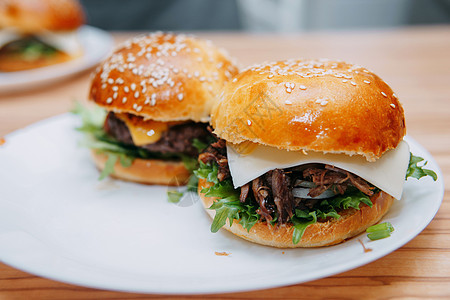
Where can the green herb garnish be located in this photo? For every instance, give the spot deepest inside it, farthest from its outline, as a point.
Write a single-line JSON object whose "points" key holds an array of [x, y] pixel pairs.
{"points": [[416, 171], [380, 231]]}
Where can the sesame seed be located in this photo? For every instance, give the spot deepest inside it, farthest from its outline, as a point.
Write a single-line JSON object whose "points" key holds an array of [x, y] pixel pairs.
{"points": [[344, 80], [304, 152], [249, 123], [109, 100], [151, 132], [287, 102], [288, 90], [384, 94], [124, 99], [202, 78], [270, 75], [133, 86], [367, 81], [302, 87], [353, 83], [288, 84], [110, 81], [196, 73], [103, 86], [115, 88], [115, 95], [139, 108], [126, 89], [180, 96], [136, 94], [392, 105], [234, 80], [147, 100], [394, 95]]}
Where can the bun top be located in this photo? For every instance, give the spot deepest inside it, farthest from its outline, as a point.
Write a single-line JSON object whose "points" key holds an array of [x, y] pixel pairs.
{"points": [[318, 105], [164, 77], [35, 16]]}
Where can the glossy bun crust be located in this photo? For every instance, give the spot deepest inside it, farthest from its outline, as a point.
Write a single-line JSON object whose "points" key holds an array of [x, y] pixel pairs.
{"points": [[163, 76], [318, 105], [351, 223], [34, 16], [148, 171]]}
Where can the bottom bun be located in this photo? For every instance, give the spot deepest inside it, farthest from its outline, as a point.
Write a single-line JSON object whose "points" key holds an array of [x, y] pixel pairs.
{"points": [[334, 231], [12, 63], [147, 171]]}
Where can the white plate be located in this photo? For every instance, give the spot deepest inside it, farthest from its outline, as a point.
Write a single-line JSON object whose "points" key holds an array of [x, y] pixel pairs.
{"points": [[96, 45], [59, 222]]}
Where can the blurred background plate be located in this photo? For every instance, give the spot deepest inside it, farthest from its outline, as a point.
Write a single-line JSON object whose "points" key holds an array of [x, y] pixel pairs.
{"points": [[96, 45]]}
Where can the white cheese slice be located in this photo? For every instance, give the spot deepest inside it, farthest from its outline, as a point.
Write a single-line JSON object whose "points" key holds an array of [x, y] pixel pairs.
{"points": [[387, 173], [67, 41], [64, 41]]}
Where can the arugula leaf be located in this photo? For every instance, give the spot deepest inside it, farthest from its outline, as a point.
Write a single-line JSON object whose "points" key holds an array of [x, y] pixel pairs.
{"points": [[191, 163], [199, 145], [301, 221], [192, 184], [208, 172], [109, 165], [416, 171], [174, 196], [350, 200]]}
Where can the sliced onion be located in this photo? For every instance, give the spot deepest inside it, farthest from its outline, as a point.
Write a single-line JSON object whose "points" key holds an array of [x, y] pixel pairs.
{"points": [[304, 183], [303, 193]]}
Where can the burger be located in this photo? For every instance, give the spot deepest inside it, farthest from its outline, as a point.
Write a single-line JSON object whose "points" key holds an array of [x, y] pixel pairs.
{"points": [[38, 33], [157, 91], [308, 153]]}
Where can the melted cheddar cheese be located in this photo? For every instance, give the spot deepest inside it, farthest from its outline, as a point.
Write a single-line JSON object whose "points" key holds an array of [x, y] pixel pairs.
{"points": [[142, 131]]}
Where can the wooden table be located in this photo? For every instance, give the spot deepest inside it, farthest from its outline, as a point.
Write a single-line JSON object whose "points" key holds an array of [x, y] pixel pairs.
{"points": [[414, 61]]}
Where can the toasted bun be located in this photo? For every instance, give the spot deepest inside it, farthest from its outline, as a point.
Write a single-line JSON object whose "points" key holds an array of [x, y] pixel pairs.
{"points": [[316, 105], [148, 171], [34, 16], [11, 63], [352, 222], [162, 76]]}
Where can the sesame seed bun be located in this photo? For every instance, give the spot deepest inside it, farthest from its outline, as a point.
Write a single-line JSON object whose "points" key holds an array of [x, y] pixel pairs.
{"points": [[35, 16], [163, 77], [326, 233], [147, 171], [318, 105]]}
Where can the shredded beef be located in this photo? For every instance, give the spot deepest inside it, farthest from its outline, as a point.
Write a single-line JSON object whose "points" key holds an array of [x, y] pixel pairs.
{"points": [[177, 139], [282, 194], [217, 152], [272, 191], [331, 176], [262, 194], [244, 192]]}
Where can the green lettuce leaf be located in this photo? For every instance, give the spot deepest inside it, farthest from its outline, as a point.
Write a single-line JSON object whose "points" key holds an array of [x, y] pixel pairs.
{"points": [[228, 206], [416, 171]]}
